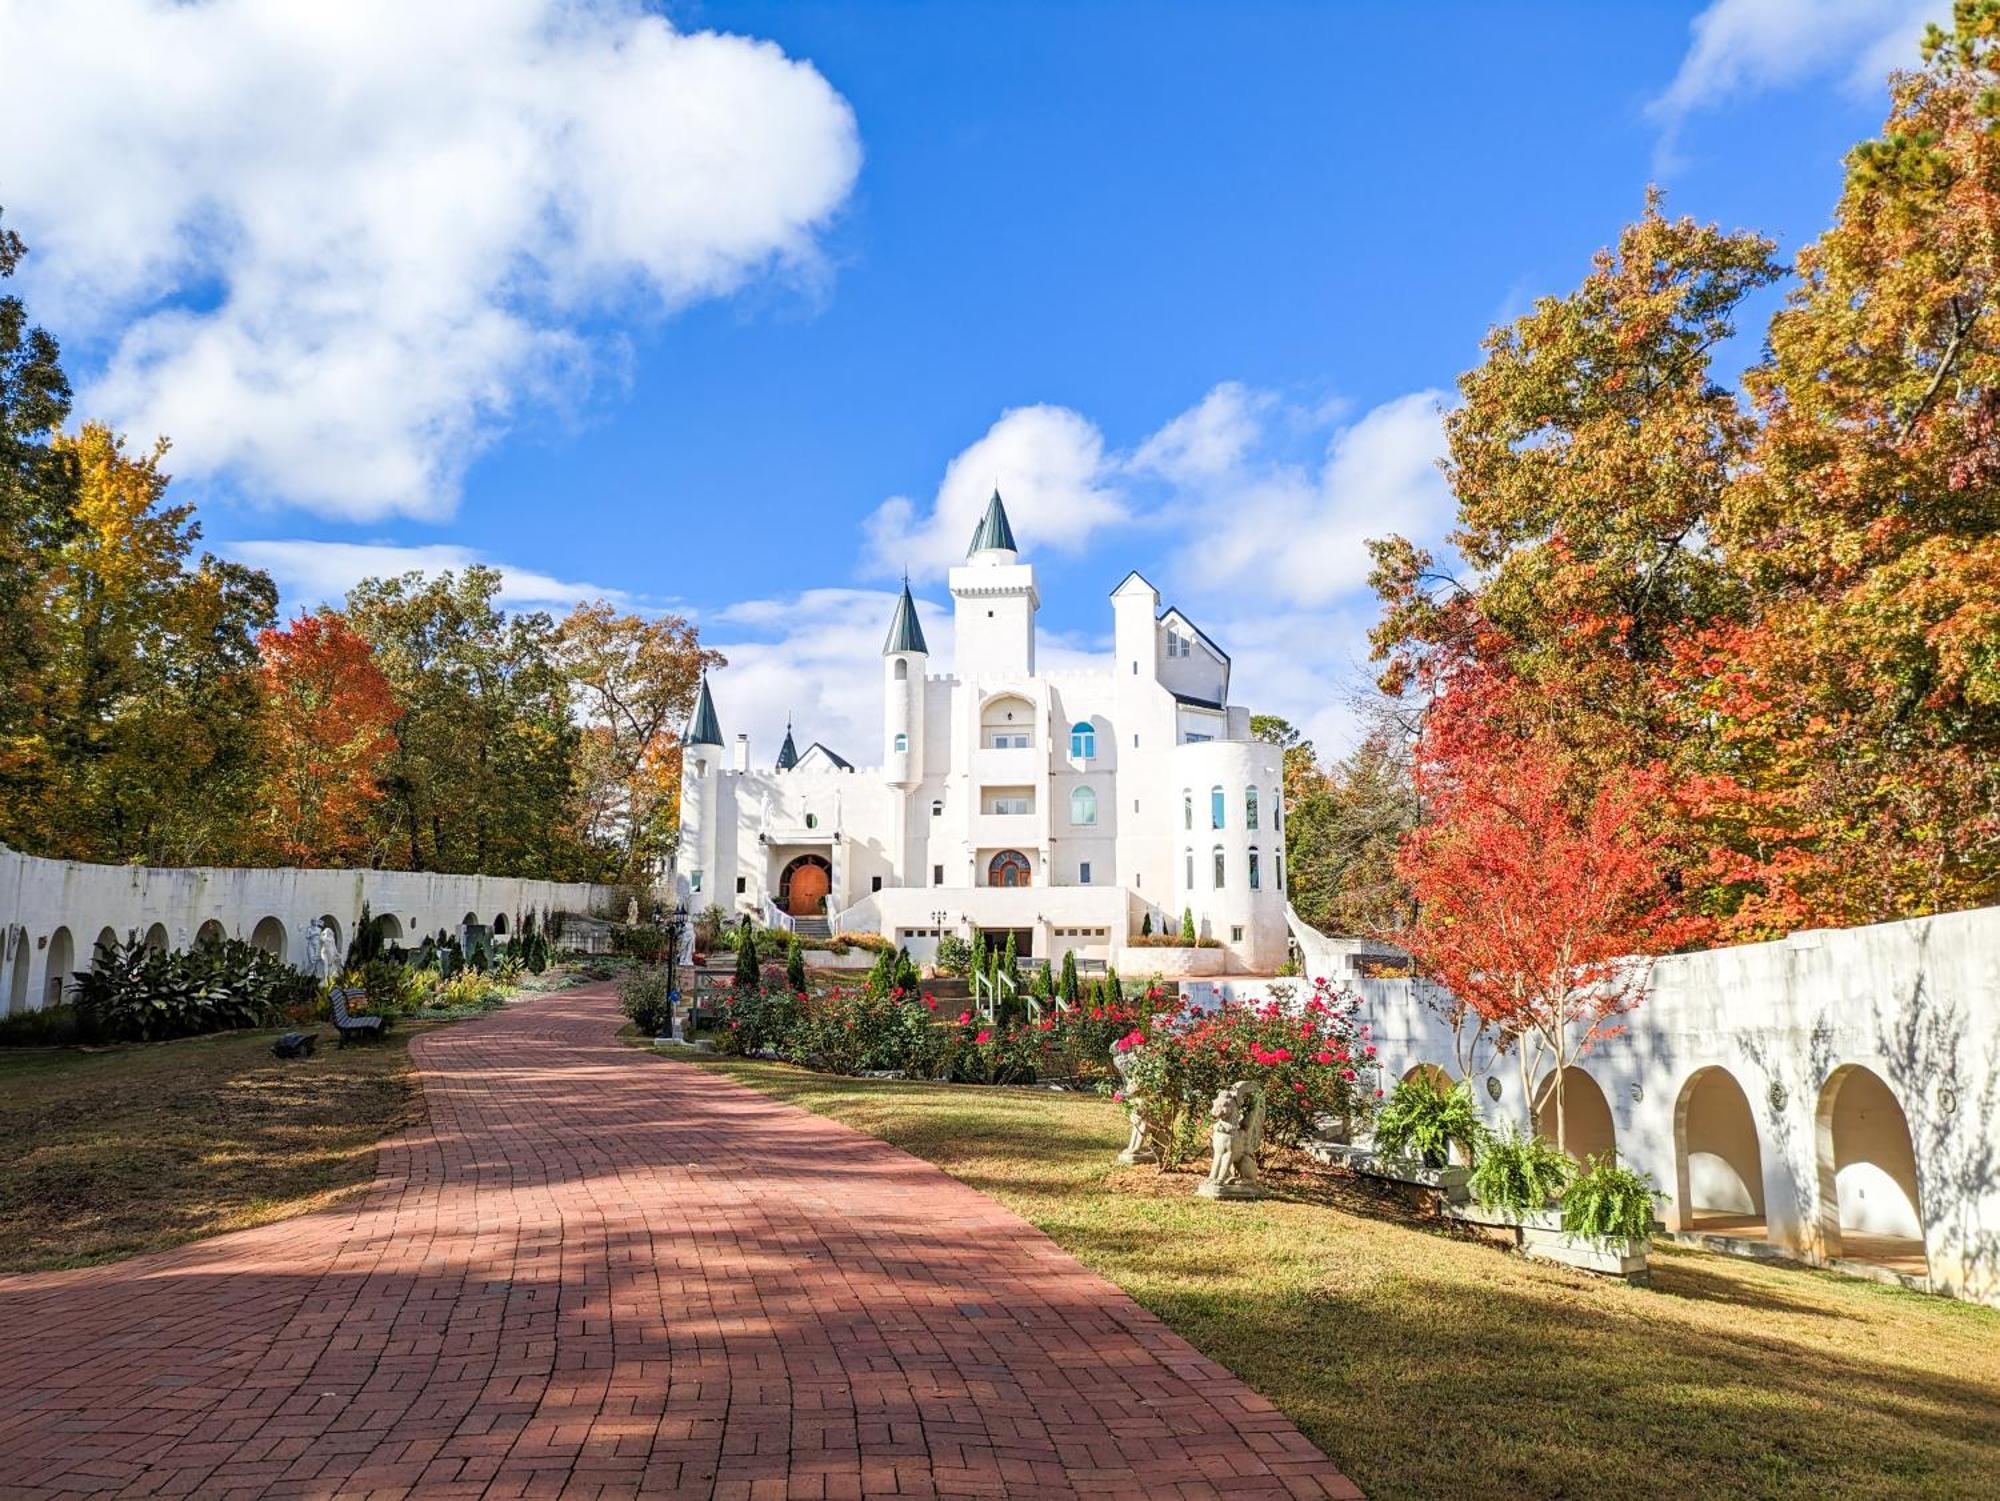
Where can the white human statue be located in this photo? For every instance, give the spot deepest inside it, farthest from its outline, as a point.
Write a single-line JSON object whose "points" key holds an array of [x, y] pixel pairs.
{"points": [[1139, 1146], [1238, 1113], [631, 912], [326, 952]]}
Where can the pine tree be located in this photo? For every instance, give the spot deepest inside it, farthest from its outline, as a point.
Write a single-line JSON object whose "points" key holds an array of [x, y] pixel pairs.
{"points": [[1070, 989], [795, 965], [978, 965], [1187, 926], [1011, 963], [746, 956], [1146, 926]]}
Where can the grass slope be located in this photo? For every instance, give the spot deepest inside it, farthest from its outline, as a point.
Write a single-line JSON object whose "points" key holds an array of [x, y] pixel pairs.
{"points": [[1433, 1365], [111, 1152]]}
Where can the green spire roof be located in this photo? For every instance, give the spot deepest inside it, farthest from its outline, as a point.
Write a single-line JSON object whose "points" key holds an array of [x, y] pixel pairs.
{"points": [[788, 753], [994, 532], [906, 632], [702, 726]]}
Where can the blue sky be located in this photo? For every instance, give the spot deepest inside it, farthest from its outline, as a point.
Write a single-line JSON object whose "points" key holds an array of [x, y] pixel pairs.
{"points": [[704, 326]]}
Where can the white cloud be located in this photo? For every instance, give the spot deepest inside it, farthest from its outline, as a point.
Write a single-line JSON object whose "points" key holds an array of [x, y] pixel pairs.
{"points": [[1745, 46], [311, 573], [1209, 439], [1286, 533], [1050, 467], [334, 249]]}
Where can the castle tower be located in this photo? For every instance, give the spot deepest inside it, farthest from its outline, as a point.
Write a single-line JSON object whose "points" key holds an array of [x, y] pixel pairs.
{"points": [[904, 657], [701, 772], [994, 599]]}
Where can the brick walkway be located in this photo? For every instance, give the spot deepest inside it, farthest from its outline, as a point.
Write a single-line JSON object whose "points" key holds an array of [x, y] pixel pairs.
{"points": [[596, 1274]]}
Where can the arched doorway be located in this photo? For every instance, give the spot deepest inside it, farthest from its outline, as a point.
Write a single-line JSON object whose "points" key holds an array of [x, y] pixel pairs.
{"points": [[210, 934], [1432, 1074], [269, 935], [62, 959], [1008, 868], [17, 987], [1718, 1165], [156, 938], [500, 924], [1869, 1205], [1586, 1128], [803, 886], [107, 942], [1007, 722]]}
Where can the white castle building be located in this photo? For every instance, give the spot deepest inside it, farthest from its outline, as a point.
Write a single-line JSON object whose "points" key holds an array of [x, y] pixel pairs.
{"points": [[1065, 808]]}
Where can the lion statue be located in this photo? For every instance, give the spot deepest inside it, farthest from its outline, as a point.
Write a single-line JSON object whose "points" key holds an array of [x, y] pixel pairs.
{"points": [[1238, 1113]]}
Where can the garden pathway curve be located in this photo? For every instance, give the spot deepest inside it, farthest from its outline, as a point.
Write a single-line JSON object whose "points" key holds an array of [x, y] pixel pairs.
{"points": [[593, 1273]]}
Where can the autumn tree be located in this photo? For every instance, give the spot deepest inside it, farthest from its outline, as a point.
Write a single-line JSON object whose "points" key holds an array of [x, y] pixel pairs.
{"points": [[328, 715], [37, 498], [1343, 824], [634, 680], [1537, 891], [147, 710], [1851, 711]]}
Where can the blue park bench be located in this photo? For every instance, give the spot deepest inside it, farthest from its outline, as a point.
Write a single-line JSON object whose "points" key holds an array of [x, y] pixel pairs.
{"points": [[347, 1024]]}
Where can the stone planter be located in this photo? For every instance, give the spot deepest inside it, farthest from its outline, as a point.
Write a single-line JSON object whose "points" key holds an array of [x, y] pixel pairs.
{"points": [[1170, 963], [1541, 1235], [1450, 1182]]}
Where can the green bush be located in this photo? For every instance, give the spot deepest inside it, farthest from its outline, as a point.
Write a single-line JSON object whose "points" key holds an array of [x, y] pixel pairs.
{"points": [[1610, 1202], [1419, 1119], [133, 993], [795, 964], [642, 996], [954, 955], [1520, 1173], [746, 956], [1187, 925], [50, 1027]]}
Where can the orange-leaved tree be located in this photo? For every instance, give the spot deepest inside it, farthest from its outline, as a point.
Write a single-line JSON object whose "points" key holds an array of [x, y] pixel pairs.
{"points": [[329, 716], [1539, 892]]}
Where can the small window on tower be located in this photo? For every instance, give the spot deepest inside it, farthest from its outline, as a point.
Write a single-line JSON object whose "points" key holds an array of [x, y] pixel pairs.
{"points": [[902, 744], [742, 884], [875, 883], [937, 875], [937, 807]]}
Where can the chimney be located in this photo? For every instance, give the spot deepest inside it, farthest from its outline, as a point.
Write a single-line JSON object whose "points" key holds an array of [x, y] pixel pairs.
{"points": [[742, 752]]}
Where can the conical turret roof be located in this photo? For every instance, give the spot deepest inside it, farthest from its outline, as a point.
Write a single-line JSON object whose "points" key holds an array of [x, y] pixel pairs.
{"points": [[703, 728], [788, 753], [994, 533], [906, 632]]}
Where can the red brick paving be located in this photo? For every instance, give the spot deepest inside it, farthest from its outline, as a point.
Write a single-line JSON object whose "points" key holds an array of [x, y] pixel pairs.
{"points": [[595, 1274]]}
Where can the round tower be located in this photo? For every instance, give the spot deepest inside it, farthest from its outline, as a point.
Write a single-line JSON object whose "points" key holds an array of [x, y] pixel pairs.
{"points": [[904, 657], [701, 770]]}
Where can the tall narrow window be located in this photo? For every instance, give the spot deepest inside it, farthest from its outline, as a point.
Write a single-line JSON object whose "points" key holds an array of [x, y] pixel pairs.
{"points": [[1083, 806], [1083, 873], [1215, 807], [902, 744], [902, 670], [1082, 740], [1278, 810], [1190, 870], [1218, 867], [1250, 807], [1278, 869], [1187, 809], [1255, 885]]}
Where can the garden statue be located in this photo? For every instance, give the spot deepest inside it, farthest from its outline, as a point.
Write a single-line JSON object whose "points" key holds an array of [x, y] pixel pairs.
{"points": [[631, 912], [1238, 1113], [326, 953], [1140, 1147]]}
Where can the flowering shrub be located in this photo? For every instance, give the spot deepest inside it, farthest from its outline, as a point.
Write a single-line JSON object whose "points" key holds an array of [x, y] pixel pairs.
{"points": [[1309, 1062]]}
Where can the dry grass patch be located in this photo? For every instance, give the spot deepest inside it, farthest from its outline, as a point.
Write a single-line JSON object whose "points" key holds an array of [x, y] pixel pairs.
{"points": [[107, 1153], [1428, 1364]]}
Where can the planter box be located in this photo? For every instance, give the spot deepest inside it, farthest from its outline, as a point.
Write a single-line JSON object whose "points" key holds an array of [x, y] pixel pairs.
{"points": [[1541, 1235], [1450, 1182], [1170, 963]]}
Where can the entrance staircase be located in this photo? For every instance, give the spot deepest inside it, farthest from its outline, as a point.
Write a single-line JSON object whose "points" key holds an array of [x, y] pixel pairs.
{"points": [[811, 927]]}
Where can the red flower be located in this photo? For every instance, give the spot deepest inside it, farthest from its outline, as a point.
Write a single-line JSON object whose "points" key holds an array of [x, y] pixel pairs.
{"points": [[1348, 1073], [983, 1036], [1322, 1057], [964, 1017]]}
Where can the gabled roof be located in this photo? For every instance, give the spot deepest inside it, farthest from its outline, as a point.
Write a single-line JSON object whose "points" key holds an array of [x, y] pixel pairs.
{"points": [[906, 632], [841, 763], [1172, 612], [703, 727], [788, 753], [993, 532], [1145, 584]]}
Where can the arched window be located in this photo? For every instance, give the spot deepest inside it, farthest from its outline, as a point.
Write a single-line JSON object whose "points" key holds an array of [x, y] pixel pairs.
{"points": [[1255, 884], [1218, 867], [1250, 807], [902, 742], [1082, 740], [812, 820], [1215, 808], [1083, 806], [937, 807], [1190, 870], [1187, 809], [902, 670]]}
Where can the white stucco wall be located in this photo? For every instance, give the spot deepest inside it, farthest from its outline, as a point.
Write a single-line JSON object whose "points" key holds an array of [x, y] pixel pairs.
{"points": [[1868, 1064], [53, 911]]}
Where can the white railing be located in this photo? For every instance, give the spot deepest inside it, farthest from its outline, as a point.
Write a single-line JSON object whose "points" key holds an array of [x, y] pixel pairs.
{"points": [[989, 990], [774, 917]]}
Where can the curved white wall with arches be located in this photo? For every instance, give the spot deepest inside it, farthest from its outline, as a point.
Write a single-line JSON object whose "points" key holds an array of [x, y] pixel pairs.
{"points": [[46, 905], [1833, 1095]]}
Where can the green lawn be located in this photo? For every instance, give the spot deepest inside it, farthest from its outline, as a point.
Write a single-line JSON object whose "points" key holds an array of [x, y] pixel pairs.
{"points": [[115, 1151], [1430, 1364]]}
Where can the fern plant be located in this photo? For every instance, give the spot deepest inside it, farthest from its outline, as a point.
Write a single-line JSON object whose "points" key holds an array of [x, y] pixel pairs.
{"points": [[1420, 1119], [1520, 1174], [1609, 1202]]}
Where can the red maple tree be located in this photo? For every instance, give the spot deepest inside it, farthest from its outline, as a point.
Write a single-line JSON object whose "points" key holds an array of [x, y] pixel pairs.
{"points": [[1539, 889], [329, 715]]}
